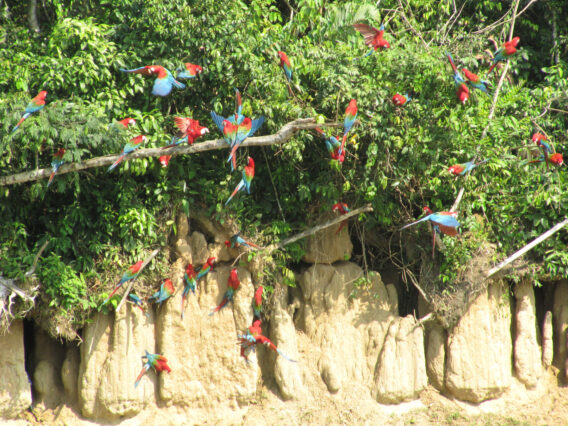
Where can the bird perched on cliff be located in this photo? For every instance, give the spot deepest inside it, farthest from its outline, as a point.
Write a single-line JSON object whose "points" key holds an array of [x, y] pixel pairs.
{"points": [[130, 274], [189, 278], [206, 268], [156, 361], [232, 286], [252, 337], [56, 163], [36, 104], [464, 168], [164, 81], [131, 146], [164, 293], [342, 208], [374, 38], [462, 91], [236, 241], [442, 222], [244, 184], [257, 302], [191, 71], [136, 301], [508, 49], [188, 131]]}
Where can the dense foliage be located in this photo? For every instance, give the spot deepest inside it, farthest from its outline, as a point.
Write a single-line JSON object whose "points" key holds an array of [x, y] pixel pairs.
{"points": [[99, 222]]}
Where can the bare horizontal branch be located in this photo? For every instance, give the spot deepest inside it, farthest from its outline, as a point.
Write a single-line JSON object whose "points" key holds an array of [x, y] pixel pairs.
{"points": [[282, 136]]}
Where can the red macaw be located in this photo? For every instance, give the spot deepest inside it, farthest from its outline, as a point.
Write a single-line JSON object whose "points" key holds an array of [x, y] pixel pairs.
{"points": [[236, 241], [164, 80], [348, 121], [188, 131], [233, 284], [235, 119], [191, 71], [244, 184], [123, 124], [245, 129], [165, 292], [333, 146], [462, 92], [136, 301], [442, 222], [475, 81], [189, 277], [230, 132], [130, 274], [36, 104], [540, 139], [206, 268], [131, 146], [508, 48], [257, 302], [555, 158], [165, 160], [373, 37], [342, 208], [400, 100], [253, 337], [56, 163], [156, 361], [285, 64], [464, 168]]}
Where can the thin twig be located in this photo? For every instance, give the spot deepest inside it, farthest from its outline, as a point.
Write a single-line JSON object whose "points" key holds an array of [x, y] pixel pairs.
{"points": [[496, 23], [38, 255], [127, 292]]}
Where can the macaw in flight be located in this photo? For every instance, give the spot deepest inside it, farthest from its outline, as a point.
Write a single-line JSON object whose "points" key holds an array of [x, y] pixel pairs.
{"points": [[342, 208], [156, 361], [164, 80], [56, 163], [401, 100], [253, 337], [131, 146], [508, 49], [188, 131], [237, 118], [442, 222], [247, 128], [191, 71], [165, 292], [547, 150], [463, 92], [189, 278], [236, 241], [285, 64], [348, 121], [475, 81], [333, 146], [36, 104], [555, 158], [244, 184], [233, 284], [130, 274], [206, 268], [464, 168], [257, 302], [136, 301], [373, 37], [122, 124]]}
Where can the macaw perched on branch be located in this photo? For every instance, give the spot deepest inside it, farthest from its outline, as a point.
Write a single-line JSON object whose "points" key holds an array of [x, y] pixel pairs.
{"points": [[131, 146], [401, 100], [464, 168], [230, 132], [233, 284], [236, 241], [508, 49], [130, 274], [463, 92], [136, 301], [164, 80], [285, 64], [122, 124], [189, 278], [206, 268], [540, 139], [191, 71], [188, 131], [165, 292], [245, 129], [348, 121], [156, 361], [555, 158], [36, 104], [253, 337], [442, 222], [373, 37], [244, 184], [474, 81], [257, 302], [333, 146], [56, 163], [342, 208], [235, 119]]}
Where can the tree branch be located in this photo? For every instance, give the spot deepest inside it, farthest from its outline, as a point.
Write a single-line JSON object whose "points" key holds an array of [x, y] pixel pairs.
{"points": [[280, 137], [32, 16]]}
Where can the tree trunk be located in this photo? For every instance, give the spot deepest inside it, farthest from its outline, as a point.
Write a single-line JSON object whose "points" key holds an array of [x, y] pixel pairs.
{"points": [[32, 16]]}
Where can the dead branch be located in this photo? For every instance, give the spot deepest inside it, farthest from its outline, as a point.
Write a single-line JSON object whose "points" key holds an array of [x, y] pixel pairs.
{"points": [[280, 137], [144, 264], [34, 264]]}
